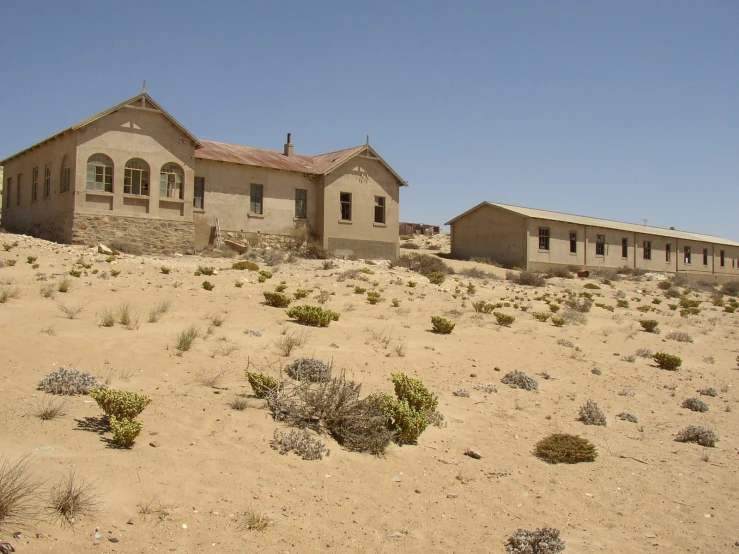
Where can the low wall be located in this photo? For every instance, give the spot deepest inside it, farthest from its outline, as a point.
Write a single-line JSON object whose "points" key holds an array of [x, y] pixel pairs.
{"points": [[142, 234], [367, 249], [56, 229]]}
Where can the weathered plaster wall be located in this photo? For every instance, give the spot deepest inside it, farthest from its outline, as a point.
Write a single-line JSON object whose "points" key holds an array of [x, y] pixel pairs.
{"points": [[489, 232]]}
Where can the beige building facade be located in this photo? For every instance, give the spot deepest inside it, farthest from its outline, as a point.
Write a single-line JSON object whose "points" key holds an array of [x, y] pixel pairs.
{"points": [[539, 239], [134, 174]]}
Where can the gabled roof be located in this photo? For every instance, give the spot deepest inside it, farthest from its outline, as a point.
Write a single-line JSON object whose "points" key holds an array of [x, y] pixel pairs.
{"points": [[595, 222], [323, 164], [141, 101]]}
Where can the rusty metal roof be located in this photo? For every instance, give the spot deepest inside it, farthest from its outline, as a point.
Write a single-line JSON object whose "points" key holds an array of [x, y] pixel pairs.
{"points": [[274, 159]]}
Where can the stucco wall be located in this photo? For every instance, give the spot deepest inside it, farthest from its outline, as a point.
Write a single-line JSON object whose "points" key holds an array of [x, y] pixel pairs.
{"points": [[135, 133], [227, 190], [489, 232], [364, 178]]}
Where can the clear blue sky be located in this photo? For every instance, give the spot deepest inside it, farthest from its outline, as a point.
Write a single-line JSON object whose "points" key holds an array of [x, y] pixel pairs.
{"points": [[623, 110]]}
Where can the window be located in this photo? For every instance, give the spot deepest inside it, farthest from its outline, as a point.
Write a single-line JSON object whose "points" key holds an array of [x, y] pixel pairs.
{"points": [[687, 254], [705, 256], [647, 247], [256, 203], [66, 176], [722, 258], [573, 243], [543, 238], [9, 188], [100, 173], [136, 178], [668, 252], [171, 178], [17, 191], [345, 198], [301, 203], [47, 181], [34, 185], [600, 245], [624, 248], [198, 199], [379, 209]]}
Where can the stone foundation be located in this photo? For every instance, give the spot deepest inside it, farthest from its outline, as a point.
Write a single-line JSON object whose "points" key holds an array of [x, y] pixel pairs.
{"points": [[260, 240], [55, 229], [137, 234]]}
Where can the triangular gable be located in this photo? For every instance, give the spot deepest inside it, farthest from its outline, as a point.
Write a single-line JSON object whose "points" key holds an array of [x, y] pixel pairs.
{"points": [[326, 163], [141, 101]]}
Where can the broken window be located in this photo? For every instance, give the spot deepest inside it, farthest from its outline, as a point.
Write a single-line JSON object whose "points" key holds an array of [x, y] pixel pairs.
{"points": [[256, 199], [65, 179], [687, 254], [99, 174], [543, 238], [647, 247], [668, 252], [624, 248], [722, 258], [705, 256], [171, 180], [345, 198], [573, 243], [600, 245], [136, 178], [301, 203], [379, 209], [198, 198]]}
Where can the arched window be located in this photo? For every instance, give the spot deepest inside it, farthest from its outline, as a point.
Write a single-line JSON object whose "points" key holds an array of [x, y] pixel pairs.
{"points": [[65, 179], [171, 179], [136, 179], [100, 173]]}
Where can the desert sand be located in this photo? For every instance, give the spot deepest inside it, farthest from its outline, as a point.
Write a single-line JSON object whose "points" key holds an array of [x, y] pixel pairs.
{"points": [[201, 466]]}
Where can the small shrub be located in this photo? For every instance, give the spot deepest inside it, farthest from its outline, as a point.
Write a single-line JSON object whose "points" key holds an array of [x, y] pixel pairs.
{"points": [[309, 369], [708, 392], [11, 263], [186, 338], [47, 290], [526, 278], [165, 270], [276, 299], [300, 293], [558, 321], [31, 259], [245, 265], [554, 308], [504, 320], [562, 448], [664, 285], [697, 434], [288, 342], [8, 293], [262, 385], [115, 272], [266, 274], [68, 382], [107, 318], [480, 306], [300, 442], [414, 392], [208, 270], [441, 325], [559, 271], [679, 336], [730, 288], [591, 414], [436, 277], [422, 263], [519, 380], [51, 408], [119, 403], [406, 422], [72, 499], [125, 431], [643, 353], [159, 310], [240, 403], [411, 284], [373, 297], [591, 286], [574, 317], [621, 303], [670, 362], [410, 245], [695, 405], [625, 416], [312, 316], [649, 325], [281, 287], [207, 285], [18, 496], [75, 272], [541, 541], [314, 251], [541, 316]]}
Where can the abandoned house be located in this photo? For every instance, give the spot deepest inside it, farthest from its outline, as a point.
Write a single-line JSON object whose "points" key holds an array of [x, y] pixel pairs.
{"points": [[92, 183], [538, 240]]}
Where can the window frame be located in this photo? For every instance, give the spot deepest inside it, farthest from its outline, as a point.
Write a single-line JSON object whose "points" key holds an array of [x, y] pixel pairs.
{"points": [[198, 186], [139, 167], [573, 242], [34, 185], [624, 247], [65, 176], [301, 204], [668, 252], [705, 257], [47, 181], [101, 172], [544, 236], [647, 249], [381, 206], [256, 199], [600, 245], [345, 206], [687, 255], [722, 258], [173, 189]]}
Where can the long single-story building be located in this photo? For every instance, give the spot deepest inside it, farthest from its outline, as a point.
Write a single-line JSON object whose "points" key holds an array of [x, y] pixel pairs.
{"points": [[538, 240], [93, 183]]}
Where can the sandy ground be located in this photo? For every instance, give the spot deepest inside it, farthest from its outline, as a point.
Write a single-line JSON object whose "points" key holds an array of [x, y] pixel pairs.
{"points": [[212, 464]]}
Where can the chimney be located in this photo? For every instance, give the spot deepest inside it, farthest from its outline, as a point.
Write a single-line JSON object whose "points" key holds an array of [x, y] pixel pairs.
{"points": [[289, 146], [672, 228]]}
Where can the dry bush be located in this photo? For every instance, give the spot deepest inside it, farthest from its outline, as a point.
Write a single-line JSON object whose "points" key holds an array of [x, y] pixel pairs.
{"points": [[695, 405], [710, 391], [224, 347], [285, 344], [697, 434], [18, 496], [679, 336], [519, 380], [526, 278], [159, 310], [625, 416], [68, 381], [47, 290], [591, 414], [253, 520], [211, 378], [186, 338], [51, 408], [541, 541], [107, 318], [309, 369], [574, 317], [240, 403], [302, 443], [561, 448], [9, 293], [127, 316], [72, 498], [425, 264], [71, 311], [581, 305]]}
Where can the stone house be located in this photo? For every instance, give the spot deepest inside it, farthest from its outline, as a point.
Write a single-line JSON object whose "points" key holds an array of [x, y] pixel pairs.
{"points": [[91, 183], [538, 240]]}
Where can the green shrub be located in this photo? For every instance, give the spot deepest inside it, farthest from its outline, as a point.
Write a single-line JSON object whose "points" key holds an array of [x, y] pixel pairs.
{"points": [[686, 302], [245, 265], [208, 270], [670, 362], [664, 285], [207, 285], [554, 308], [414, 392], [373, 297], [422, 263], [262, 385], [31, 259], [300, 293], [480, 306], [442, 325], [276, 299], [436, 277], [125, 431], [282, 287], [591, 286], [605, 307], [407, 423], [685, 312], [165, 270], [119, 403], [312, 315], [359, 290], [412, 284], [266, 274], [558, 321], [72, 272], [562, 448], [622, 303], [504, 320], [649, 325], [541, 316], [527, 278], [731, 288], [115, 272]]}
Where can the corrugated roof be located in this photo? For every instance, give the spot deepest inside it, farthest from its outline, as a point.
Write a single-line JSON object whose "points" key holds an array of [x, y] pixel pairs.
{"points": [[605, 223]]}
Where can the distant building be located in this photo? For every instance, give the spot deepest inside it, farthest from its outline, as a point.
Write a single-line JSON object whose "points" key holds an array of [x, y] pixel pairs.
{"points": [[539, 239], [418, 229], [133, 173]]}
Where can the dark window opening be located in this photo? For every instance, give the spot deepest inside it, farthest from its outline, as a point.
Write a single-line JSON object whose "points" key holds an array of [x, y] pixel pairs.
{"points": [[256, 199], [722, 259], [345, 198], [301, 203], [624, 248], [198, 198], [573, 243], [647, 250], [600, 245], [543, 238], [379, 209], [687, 254], [705, 256]]}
